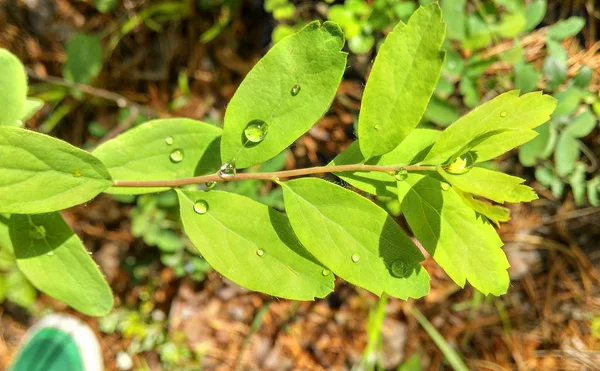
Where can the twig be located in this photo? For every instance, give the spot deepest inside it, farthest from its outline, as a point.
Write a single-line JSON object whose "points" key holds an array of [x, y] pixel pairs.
{"points": [[276, 175]]}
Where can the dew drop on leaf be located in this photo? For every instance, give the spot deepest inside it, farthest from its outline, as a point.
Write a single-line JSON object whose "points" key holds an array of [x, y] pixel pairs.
{"points": [[210, 185], [260, 252], [295, 90], [401, 175], [176, 156], [356, 257], [50, 253], [445, 186], [399, 268], [37, 232], [77, 173], [462, 164], [200, 207], [256, 131], [325, 272], [376, 127], [503, 114], [227, 171], [169, 141]]}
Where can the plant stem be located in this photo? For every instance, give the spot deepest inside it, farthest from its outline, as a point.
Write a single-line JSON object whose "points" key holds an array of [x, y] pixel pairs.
{"points": [[389, 169]]}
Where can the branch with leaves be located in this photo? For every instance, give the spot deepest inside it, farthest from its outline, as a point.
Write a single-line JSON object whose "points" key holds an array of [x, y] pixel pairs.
{"points": [[327, 230]]}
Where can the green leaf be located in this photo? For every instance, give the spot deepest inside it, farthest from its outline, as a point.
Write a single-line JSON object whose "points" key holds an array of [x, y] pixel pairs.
{"points": [[584, 77], [454, 15], [40, 174], [568, 101], [361, 44], [13, 81], [468, 88], [511, 25], [161, 150], [19, 290], [32, 105], [534, 14], [412, 150], [252, 245], [544, 175], [536, 148], [501, 142], [566, 153], [289, 89], [566, 28], [479, 33], [465, 245], [84, 58], [401, 82], [494, 213], [496, 186], [526, 77], [581, 125], [354, 238], [593, 191], [105, 6], [557, 50], [555, 71], [504, 113], [53, 258], [441, 112], [577, 181]]}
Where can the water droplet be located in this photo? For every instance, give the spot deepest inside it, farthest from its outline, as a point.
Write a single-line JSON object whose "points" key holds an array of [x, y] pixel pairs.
{"points": [[201, 207], [399, 268], [169, 141], [210, 185], [295, 90], [445, 186], [401, 175], [176, 156], [256, 131], [260, 252], [376, 127], [356, 257], [462, 164], [227, 171], [77, 173], [37, 232], [503, 114], [50, 253], [325, 272], [20, 123], [89, 253]]}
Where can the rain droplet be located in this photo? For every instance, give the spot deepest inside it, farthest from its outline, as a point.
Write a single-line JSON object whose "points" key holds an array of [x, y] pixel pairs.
{"points": [[462, 164], [20, 123], [256, 131], [503, 114], [296, 89], [356, 257], [37, 232], [325, 272], [176, 156], [227, 171], [169, 141], [77, 173], [401, 175], [50, 253], [201, 207], [376, 127], [445, 186], [210, 185], [399, 268], [260, 252]]}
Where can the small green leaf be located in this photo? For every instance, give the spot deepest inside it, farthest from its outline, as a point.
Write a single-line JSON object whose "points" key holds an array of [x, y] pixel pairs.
{"points": [[465, 245], [32, 105], [577, 181], [582, 125], [566, 28], [361, 44], [401, 82], [479, 34], [568, 101], [441, 112], [105, 6], [161, 150], [411, 151], [531, 151], [354, 238], [252, 245], [500, 143], [526, 77], [544, 175], [593, 191], [53, 258], [84, 58], [556, 50], [566, 153], [506, 112], [584, 77], [555, 71], [496, 186], [454, 15], [40, 174], [468, 88], [534, 14], [494, 213], [288, 90], [511, 25], [13, 81]]}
